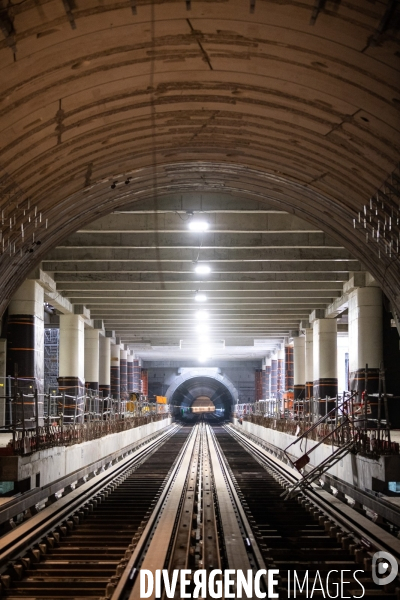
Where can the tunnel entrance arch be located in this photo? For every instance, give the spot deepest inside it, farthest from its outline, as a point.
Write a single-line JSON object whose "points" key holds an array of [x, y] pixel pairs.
{"points": [[202, 382]]}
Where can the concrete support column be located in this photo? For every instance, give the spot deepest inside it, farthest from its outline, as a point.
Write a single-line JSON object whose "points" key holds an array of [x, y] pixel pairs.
{"points": [[25, 346], [71, 379], [130, 373], [123, 374], [104, 365], [25, 334], [258, 384], [136, 376], [280, 377], [115, 370], [92, 359], [145, 382], [267, 384], [289, 373], [263, 382], [309, 357], [299, 371], [4, 419], [325, 362], [365, 337], [274, 375]]}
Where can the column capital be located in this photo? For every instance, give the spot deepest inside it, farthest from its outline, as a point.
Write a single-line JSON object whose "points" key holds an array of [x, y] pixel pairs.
{"points": [[304, 325], [80, 309], [355, 280], [44, 279], [28, 300], [319, 313], [110, 334]]}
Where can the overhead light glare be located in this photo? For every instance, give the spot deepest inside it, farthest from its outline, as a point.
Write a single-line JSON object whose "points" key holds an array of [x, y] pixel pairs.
{"points": [[202, 329], [204, 353], [198, 225], [202, 315], [202, 359], [202, 269], [199, 297]]}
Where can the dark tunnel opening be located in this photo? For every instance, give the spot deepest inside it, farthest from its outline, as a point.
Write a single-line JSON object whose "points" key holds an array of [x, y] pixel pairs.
{"points": [[192, 390]]}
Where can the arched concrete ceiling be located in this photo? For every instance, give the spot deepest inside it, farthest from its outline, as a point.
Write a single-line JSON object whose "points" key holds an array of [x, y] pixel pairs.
{"points": [[293, 103]]}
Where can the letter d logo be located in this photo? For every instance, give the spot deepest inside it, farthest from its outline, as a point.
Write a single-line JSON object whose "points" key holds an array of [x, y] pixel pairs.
{"points": [[384, 563]]}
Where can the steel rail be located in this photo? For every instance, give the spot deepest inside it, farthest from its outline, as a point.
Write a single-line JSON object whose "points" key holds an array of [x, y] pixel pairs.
{"points": [[166, 541], [368, 498], [23, 502], [367, 532], [195, 543], [157, 552], [372, 500], [240, 544], [183, 546], [209, 543], [16, 543], [154, 537]]}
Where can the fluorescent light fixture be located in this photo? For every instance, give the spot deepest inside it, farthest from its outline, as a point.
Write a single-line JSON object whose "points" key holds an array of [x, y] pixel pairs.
{"points": [[202, 269], [202, 315], [199, 225], [199, 297]]}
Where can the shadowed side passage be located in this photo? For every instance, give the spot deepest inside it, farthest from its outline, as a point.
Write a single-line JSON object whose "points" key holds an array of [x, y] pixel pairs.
{"points": [[290, 104]]}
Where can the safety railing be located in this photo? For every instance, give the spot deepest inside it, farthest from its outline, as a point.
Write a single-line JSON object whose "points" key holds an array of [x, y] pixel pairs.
{"points": [[48, 436], [350, 421], [35, 420]]}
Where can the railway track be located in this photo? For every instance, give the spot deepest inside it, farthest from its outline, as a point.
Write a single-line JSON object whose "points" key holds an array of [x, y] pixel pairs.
{"points": [[199, 527], [80, 554], [195, 498], [302, 534]]}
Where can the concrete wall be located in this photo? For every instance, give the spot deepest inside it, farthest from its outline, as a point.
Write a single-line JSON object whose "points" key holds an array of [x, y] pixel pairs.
{"points": [[3, 357], [354, 469], [54, 463], [242, 375]]}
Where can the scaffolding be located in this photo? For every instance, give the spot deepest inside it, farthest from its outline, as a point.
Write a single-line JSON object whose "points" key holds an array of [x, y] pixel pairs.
{"points": [[51, 351], [348, 427], [37, 420]]}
